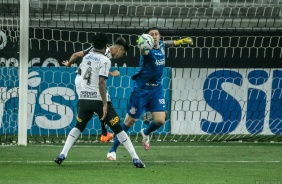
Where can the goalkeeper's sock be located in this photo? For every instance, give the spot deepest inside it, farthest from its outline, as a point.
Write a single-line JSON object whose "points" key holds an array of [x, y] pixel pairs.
{"points": [[125, 140], [152, 127], [116, 141], [72, 137]]}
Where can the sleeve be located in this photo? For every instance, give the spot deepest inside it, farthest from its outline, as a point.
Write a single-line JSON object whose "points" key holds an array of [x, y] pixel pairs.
{"points": [[162, 44], [108, 53], [105, 68], [86, 51]]}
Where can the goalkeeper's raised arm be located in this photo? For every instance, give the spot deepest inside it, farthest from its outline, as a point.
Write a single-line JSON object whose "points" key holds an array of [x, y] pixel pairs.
{"points": [[182, 41]]}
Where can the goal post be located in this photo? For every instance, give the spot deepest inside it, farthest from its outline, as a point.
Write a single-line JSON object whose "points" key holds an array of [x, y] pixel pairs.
{"points": [[23, 72]]}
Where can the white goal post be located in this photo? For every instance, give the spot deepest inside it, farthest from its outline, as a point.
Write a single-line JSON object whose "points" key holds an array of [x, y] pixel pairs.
{"points": [[23, 72]]}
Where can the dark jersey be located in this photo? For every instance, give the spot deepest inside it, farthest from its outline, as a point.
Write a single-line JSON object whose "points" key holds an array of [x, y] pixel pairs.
{"points": [[151, 68]]}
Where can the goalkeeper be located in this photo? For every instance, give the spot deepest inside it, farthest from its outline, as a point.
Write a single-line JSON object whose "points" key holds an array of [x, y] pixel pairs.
{"points": [[113, 51], [147, 93]]}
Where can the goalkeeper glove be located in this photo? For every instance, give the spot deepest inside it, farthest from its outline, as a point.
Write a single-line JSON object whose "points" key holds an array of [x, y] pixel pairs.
{"points": [[182, 41]]}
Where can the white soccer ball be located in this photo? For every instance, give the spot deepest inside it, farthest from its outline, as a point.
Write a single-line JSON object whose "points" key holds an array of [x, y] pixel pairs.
{"points": [[146, 42]]}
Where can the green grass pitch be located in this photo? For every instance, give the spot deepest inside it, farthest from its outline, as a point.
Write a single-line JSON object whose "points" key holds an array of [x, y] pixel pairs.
{"points": [[166, 163]]}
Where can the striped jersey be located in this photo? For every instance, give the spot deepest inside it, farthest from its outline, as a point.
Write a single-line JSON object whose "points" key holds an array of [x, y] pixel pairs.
{"points": [[93, 66]]}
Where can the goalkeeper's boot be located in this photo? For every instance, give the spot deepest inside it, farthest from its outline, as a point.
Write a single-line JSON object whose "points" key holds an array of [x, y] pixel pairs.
{"points": [[112, 156], [106, 138], [145, 140], [60, 159], [138, 163]]}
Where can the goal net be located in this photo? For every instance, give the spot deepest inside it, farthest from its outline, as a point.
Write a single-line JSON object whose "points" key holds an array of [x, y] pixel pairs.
{"points": [[224, 87]]}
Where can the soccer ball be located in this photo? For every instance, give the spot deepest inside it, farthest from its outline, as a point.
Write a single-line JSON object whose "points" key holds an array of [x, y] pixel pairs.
{"points": [[146, 42]]}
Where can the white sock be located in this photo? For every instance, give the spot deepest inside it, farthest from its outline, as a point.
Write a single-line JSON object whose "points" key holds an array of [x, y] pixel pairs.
{"points": [[125, 140], [72, 137]]}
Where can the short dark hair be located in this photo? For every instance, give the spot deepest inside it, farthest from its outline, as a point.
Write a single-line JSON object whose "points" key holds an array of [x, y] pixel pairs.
{"points": [[151, 28], [121, 41], [100, 40]]}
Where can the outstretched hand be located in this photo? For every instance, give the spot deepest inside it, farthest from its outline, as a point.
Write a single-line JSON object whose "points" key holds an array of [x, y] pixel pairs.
{"points": [[66, 62], [114, 73], [187, 40]]}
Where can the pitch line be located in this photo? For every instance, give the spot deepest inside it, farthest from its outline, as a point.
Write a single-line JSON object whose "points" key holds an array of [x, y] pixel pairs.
{"points": [[156, 146], [156, 161]]}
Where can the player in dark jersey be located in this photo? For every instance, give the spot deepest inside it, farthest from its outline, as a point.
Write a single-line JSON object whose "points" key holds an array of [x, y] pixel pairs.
{"points": [[147, 93]]}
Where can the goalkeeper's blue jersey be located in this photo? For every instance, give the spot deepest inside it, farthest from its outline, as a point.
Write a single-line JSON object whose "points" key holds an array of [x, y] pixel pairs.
{"points": [[151, 66]]}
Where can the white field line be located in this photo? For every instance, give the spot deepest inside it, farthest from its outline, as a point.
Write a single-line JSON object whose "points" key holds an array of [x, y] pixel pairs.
{"points": [[155, 146], [156, 161]]}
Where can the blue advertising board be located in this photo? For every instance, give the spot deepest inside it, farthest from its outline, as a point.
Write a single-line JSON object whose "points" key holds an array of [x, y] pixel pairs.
{"points": [[52, 99]]}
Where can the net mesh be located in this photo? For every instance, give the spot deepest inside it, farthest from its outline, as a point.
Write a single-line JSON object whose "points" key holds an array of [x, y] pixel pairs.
{"points": [[226, 33], [209, 45], [52, 103], [226, 104]]}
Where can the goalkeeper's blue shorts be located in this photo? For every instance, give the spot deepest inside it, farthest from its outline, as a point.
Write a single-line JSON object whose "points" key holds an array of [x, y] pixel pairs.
{"points": [[150, 100]]}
